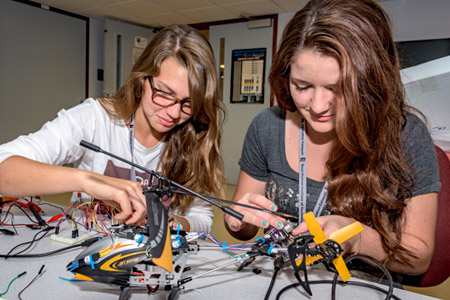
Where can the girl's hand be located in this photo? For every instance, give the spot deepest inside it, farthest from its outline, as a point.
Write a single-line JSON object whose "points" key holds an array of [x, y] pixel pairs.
{"points": [[184, 223], [125, 195], [252, 216]]}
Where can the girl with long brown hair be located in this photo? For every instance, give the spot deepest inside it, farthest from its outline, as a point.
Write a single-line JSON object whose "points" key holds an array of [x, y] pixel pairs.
{"points": [[167, 117], [342, 142]]}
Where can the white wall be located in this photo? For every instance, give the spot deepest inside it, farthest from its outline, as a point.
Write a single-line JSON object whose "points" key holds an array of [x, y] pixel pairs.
{"points": [[96, 50], [128, 32], [42, 66], [239, 115], [283, 19], [419, 19]]}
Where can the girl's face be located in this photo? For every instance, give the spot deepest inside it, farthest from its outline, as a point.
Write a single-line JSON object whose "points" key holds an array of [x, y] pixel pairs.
{"points": [[313, 80], [171, 83]]}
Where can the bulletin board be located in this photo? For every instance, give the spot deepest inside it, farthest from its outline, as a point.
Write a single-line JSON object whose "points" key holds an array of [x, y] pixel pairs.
{"points": [[247, 82]]}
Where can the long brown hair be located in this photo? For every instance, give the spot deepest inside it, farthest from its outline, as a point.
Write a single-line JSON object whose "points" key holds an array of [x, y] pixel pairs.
{"points": [[366, 167], [191, 154]]}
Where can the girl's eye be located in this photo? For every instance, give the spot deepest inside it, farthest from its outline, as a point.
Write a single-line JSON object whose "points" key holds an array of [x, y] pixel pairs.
{"points": [[301, 88]]}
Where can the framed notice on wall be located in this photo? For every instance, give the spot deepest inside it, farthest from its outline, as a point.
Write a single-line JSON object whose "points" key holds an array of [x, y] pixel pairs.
{"points": [[247, 71]]}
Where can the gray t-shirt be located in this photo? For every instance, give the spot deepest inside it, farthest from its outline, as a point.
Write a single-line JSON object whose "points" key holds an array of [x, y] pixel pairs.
{"points": [[264, 158]]}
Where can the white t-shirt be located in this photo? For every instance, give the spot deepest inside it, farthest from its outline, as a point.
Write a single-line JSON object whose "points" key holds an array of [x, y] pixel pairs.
{"points": [[58, 143]]}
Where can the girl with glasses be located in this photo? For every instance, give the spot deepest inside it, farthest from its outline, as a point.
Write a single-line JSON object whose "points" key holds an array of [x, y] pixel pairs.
{"points": [[167, 117]]}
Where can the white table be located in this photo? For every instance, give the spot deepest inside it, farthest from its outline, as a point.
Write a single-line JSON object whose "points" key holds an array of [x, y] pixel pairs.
{"points": [[226, 283]]}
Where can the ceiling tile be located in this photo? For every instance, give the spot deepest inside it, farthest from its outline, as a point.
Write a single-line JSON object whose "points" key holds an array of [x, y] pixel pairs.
{"points": [[106, 12], [222, 2], [71, 6], [177, 5], [253, 8], [140, 9], [291, 5], [164, 20], [157, 13], [210, 14], [107, 2]]}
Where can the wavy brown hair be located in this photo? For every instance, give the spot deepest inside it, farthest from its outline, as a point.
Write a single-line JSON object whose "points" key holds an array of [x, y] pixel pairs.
{"points": [[191, 154], [367, 167]]}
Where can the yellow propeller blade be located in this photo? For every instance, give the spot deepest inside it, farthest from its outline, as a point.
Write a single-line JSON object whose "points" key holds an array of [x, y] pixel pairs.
{"points": [[341, 268], [338, 236], [346, 232], [309, 260], [314, 228]]}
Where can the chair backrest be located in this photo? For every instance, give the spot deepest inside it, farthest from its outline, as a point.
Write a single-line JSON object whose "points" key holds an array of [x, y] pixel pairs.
{"points": [[439, 269]]}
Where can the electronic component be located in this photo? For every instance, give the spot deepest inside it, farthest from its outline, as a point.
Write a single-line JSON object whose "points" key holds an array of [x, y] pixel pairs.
{"points": [[66, 236]]}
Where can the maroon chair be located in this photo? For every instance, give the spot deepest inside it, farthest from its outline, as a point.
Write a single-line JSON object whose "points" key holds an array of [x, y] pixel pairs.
{"points": [[439, 269]]}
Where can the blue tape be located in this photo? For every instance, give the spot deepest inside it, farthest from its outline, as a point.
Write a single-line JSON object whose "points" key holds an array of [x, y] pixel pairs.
{"points": [[224, 246], [69, 279], [91, 262], [261, 239], [73, 266], [140, 239], [178, 233]]}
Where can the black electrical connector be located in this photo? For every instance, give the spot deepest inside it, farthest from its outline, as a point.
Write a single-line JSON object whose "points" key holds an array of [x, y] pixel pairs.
{"points": [[277, 264], [184, 280], [257, 271], [41, 221], [89, 242], [42, 268], [21, 274], [7, 231], [34, 227]]}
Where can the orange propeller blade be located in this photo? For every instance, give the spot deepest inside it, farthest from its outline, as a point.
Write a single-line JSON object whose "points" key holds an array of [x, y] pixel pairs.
{"points": [[314, 228], [165, 260], [341, 268], [346, 232]]}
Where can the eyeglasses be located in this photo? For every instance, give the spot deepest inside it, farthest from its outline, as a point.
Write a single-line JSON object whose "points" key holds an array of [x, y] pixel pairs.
{"points": [[165, 99]]}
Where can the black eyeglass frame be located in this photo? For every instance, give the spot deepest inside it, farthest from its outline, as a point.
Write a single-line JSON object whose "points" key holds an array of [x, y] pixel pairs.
{"points": [[168, 96]]}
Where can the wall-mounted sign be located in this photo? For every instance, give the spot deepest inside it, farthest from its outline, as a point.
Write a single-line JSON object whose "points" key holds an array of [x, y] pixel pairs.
{"points": [[247, 82], [140, 42], [136, 54]]}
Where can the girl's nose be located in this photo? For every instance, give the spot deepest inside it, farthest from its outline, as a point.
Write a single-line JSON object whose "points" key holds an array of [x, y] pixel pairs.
{"points": [[174, 111], [321, 100]]}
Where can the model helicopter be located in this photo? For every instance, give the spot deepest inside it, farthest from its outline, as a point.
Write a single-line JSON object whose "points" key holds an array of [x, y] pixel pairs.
{"points": [[137, 255], [126, 259], [156, 255]]}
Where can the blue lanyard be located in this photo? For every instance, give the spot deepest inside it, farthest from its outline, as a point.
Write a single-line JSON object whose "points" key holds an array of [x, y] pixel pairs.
{"points": [[131, 134], [320, 204]]}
